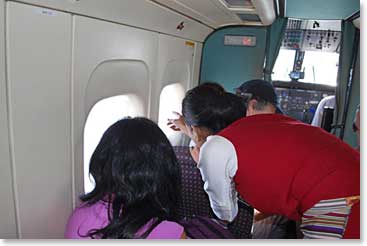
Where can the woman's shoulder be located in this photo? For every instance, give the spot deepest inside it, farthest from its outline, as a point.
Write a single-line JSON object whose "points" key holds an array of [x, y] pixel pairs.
{"points": [[85, 217], [167, 230], [214, 143], [96, 209]]}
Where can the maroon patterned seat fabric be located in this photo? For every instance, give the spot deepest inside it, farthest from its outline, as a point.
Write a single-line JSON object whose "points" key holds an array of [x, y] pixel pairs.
{"points": [[195, 202]]}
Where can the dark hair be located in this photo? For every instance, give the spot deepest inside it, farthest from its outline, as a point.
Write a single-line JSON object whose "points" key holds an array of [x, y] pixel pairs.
{"points": [[260, 90], [208, 107], [136, 171], [213, 85]]}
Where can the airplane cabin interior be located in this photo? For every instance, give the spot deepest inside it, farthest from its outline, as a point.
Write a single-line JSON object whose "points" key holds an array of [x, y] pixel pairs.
{"points": [[71, 68]]}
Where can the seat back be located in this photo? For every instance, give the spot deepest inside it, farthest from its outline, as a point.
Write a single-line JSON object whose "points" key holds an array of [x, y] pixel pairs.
{"points": [[195, 202]]}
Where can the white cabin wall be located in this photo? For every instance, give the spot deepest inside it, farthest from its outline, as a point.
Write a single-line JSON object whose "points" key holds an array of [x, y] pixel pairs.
{"points": [[59, 65], [97, 42], [137, 13], [7, 212], [196, 65], [175, 66], [38, 49]]}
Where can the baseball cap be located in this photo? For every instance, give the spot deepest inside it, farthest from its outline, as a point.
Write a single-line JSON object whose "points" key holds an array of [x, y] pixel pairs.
{"points": [[259, 89]]}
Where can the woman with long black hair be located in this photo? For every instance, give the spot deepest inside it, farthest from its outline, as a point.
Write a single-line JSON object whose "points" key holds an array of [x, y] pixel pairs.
{"points": [[137, 189]]}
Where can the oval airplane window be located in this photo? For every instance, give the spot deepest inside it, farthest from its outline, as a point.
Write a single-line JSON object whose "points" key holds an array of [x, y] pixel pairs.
{"points": [[103, 114], [170, 101]]}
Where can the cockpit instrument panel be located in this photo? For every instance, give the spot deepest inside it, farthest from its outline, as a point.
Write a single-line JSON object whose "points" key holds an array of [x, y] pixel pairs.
{"points": [[300, 101]]}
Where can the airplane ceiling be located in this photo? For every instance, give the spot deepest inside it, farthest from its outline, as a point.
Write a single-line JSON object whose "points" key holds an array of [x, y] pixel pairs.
{"points": [[218, 13]]}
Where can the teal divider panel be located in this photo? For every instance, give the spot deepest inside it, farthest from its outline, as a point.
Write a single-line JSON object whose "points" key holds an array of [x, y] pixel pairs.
{"points": [[345, 61], [232, 65], [349, 136], [275, 36], [321, 9]]}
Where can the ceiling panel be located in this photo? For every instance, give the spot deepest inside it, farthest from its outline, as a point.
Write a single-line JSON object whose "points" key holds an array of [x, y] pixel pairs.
{"points": [[210, 12], [218, 13]]}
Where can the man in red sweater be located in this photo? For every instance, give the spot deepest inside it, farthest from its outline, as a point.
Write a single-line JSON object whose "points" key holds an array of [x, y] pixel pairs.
{"points": [[282, 166]]}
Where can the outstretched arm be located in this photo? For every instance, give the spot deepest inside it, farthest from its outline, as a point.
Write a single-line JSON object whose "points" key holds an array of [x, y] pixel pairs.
{"points": [[178, 124]]}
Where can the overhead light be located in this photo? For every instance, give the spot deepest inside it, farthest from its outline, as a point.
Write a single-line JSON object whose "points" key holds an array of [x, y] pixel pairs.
{"points": [[249, 17], [247, 4]]}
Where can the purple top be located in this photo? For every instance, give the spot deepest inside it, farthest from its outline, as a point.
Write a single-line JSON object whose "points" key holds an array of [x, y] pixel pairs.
{"points": [[85, 218]]}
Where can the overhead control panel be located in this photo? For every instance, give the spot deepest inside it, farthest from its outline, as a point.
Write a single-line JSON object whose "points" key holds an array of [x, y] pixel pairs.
{"points": [[327, 41], [312, 35]]}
